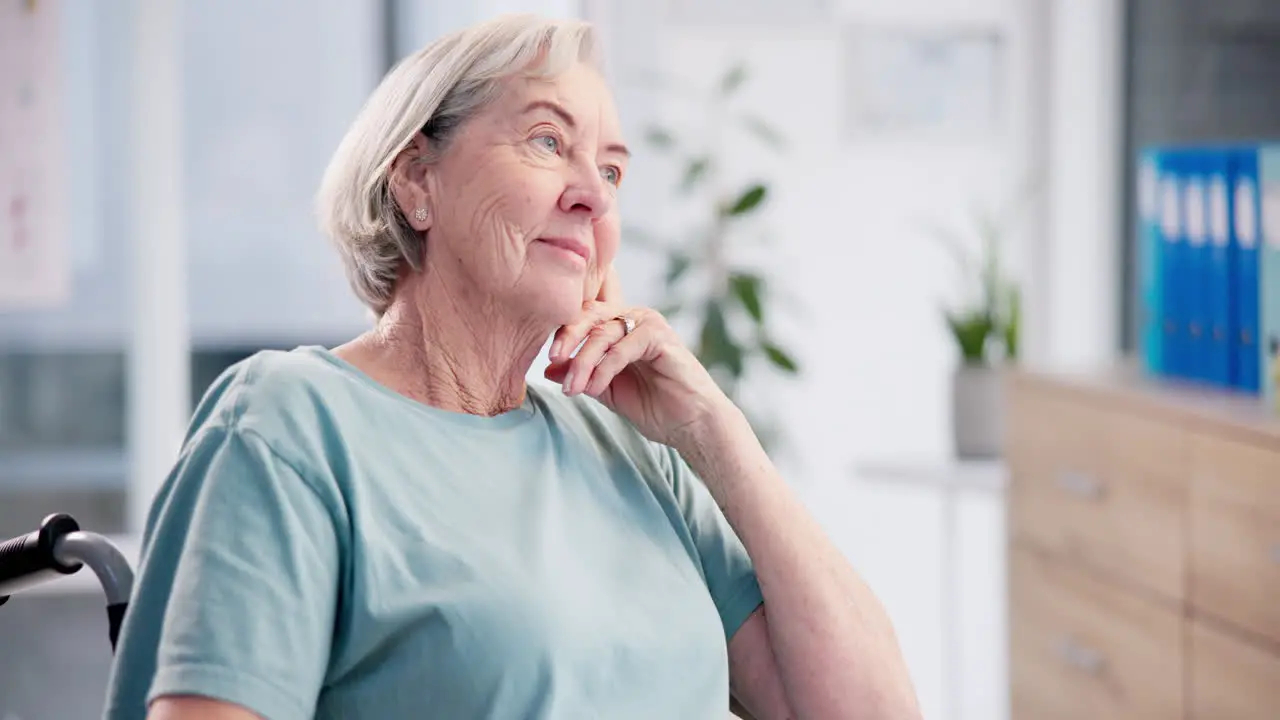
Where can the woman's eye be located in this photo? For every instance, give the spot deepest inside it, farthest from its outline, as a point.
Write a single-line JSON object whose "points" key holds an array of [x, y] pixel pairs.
{"points": [[548, 142], [611, 175]]}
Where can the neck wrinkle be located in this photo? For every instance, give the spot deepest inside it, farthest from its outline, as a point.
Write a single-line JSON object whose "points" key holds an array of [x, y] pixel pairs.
{"points": [[439, 346]]}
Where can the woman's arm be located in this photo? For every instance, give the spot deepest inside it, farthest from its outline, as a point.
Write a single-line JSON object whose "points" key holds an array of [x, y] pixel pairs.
{"points": [[829, 640], [236, 595], [754, 683], [834, 649], [181, 707]]}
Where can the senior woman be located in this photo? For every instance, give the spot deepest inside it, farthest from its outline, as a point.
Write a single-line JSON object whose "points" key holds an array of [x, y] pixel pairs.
{"points": [[402, 527]]}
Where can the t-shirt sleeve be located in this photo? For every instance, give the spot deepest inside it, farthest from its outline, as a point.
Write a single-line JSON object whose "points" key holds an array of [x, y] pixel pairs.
{"points": [[729, 574], [253, 552]]}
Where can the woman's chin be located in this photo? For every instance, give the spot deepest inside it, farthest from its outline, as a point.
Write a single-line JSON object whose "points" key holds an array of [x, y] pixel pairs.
{"points": [[566, 314], [557, 304]]}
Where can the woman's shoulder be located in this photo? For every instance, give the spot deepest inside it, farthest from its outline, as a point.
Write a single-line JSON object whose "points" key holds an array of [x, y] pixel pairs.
{"points": [[275, 394]]}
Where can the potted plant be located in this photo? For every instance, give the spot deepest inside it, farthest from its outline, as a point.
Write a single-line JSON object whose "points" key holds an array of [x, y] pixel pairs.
{"points": [[986, 328], [722, 303]]}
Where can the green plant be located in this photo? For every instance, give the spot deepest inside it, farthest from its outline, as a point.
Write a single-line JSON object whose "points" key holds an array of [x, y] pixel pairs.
{"points": [[988, 323], [725, 303]]}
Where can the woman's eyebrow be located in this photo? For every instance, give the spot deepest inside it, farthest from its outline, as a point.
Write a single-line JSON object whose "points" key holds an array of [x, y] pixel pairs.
{"points": [[560, 111], [554, 107]]}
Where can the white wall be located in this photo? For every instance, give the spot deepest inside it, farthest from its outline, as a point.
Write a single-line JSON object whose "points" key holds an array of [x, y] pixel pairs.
{"points": [[847, 216]]}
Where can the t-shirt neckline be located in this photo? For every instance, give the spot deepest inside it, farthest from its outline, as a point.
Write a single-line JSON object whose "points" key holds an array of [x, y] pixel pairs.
{"points": [[526, 411]]}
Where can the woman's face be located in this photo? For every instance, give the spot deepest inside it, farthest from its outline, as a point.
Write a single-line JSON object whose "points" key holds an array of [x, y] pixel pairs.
{"points": [[523, 203]]}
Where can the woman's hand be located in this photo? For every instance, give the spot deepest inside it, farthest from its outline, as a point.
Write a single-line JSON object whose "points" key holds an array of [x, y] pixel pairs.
{"points": [[647, 375]]}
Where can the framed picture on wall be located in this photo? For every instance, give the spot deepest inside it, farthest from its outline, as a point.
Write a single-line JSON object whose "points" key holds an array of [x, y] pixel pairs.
{"points": [[923, 83], [35, 265]]}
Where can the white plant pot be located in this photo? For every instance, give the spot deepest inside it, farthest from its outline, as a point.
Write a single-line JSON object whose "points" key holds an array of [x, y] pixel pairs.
{"points": [[977, 411]]}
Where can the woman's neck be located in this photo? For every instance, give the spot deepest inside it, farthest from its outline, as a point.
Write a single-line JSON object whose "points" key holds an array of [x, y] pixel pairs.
{"points": [[449, 353]]}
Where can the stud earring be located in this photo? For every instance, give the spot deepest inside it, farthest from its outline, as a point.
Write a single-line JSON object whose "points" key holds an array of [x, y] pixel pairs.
{"points": [[420, 214]]}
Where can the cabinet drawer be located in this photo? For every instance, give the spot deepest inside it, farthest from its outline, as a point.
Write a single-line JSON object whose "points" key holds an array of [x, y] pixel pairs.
{"points": [[1105, 488], [1083, 649], [1235, 534], [1230, 678]]}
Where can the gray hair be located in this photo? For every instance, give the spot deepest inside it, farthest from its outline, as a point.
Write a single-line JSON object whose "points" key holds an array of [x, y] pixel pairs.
{"points": [[434, 91]]}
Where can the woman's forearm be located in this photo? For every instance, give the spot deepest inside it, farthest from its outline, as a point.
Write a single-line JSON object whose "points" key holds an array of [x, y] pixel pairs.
{"points": [[833, 643]]}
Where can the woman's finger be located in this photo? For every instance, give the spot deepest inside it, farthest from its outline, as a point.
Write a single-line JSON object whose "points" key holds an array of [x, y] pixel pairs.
{"points": [[556, 371], [570, 336], [621, 354], [599, 339]]}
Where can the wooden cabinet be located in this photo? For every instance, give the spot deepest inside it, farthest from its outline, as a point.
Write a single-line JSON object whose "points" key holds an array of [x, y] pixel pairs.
{"points": [[1229, 677], [1084, 648], [1234, 524], [1144, 551]]}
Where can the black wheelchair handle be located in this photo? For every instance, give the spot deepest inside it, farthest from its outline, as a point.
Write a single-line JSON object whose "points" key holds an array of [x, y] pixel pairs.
{"points": [[32, 559]]}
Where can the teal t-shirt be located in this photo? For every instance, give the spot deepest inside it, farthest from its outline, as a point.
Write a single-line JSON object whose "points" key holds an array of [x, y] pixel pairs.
{"points": [[325, 547]]}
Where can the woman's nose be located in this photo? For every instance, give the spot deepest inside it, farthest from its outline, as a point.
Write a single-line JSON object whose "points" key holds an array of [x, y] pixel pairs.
{"points": [[586, 192]]}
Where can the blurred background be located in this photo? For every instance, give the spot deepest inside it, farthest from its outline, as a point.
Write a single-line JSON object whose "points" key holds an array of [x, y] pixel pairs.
{"points": [[866, 215]]}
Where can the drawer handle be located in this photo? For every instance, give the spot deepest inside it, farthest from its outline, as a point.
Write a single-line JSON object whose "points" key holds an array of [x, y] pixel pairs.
{"points": [[1079, 484], [1080, 657]]}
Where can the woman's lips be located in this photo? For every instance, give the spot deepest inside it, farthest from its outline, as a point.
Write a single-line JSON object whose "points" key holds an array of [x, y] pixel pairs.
{"points": [[570, 245]]}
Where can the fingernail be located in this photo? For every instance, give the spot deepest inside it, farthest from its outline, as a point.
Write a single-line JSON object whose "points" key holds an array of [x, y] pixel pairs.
{"points": [[555, 349], [567, 385]]}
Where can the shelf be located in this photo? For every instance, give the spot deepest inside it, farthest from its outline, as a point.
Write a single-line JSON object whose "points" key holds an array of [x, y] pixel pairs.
{"points": [[944, 473]]}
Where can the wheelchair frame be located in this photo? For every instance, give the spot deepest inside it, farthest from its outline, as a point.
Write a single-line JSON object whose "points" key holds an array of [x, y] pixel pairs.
{"points": [[59, 548]]}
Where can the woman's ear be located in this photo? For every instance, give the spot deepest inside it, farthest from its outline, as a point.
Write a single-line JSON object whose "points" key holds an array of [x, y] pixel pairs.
{"points": [[407, 181]]}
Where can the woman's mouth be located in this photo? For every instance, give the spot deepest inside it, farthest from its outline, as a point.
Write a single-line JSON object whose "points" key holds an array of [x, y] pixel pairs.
{"points": [[571, 249]]}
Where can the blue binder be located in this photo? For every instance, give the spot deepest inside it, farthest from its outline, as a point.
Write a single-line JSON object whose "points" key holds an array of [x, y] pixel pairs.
{"points": [[1215, 271], [1150, 267], [1173, 262], [1246, 223], [1269, 271], [1195, 268]]}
